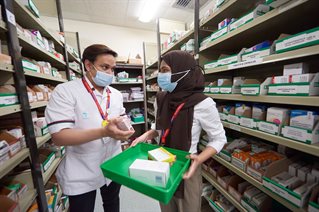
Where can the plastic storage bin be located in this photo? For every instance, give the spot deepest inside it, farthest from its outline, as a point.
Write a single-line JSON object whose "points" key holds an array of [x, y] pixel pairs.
{"points": [[117, 169]]}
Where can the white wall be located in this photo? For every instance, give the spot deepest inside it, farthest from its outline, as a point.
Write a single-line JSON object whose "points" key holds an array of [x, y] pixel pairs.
{"points": [[122, 40]]}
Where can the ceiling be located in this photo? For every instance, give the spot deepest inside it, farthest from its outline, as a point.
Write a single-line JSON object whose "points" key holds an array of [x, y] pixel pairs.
{"points": [[113, 12]]}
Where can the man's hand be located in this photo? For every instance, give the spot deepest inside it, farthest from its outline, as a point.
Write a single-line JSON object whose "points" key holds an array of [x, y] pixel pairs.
{"points": [[194, 165], [112, 130]]}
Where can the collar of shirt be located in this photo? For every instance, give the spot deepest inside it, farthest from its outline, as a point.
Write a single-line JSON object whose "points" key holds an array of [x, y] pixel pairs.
{"points": [[95, 91]]}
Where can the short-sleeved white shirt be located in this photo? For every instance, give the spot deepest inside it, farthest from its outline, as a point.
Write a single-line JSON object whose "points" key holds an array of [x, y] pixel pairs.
{"points": [[72, 106]]}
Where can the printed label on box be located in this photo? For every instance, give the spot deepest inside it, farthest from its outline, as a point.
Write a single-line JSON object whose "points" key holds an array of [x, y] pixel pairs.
{"points": [[256, 55], [245, 63], [289, 89], [40, 96], [223, 116], [297, 40], [233, 119], [214, 89], [255, 174], [297, 134], [276, 189], [15, 148], [250, 90], [8, 100], [49, 162], [207, 90], [226, 90], [225, 156], [219, 33], [268, 127], [248, 122], [238, 163]]}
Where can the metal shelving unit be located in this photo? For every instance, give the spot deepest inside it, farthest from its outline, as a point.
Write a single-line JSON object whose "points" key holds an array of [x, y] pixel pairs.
{"points": [[43, 76], [225, 193], [289, 100], [307, 148], [254, 182], [10, 164]]}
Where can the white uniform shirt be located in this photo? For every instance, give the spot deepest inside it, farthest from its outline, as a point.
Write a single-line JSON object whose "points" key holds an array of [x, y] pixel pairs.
{"points": [[206, 117], [72, 106]]}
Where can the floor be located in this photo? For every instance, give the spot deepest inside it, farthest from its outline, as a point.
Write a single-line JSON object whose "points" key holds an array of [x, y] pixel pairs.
{"points": [[135, 202]]}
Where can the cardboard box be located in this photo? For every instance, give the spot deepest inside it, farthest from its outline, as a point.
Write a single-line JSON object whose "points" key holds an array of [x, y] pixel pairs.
{"points": [[161, 155], [295, 69], [4, 151], [259, 112], [8, 95], [151, 172], [213, 88], [30, 65], [223, 177], [237, 82], [225, 86], [257, 54], [229, 109], [302, 135], [219, 33], [6, 59], [252, 87], [302, 78], [258, 11], [40, 93], [14, 143], [280, 79], [277, 168], [32, 96], [40, 127], [300, 40], [296, 89], [313, 201], [269, 127], [8, 204], [211, 65], [46, 157], [303, 119], [277, 115], [229, 59], [242, 109], [233, 187]]}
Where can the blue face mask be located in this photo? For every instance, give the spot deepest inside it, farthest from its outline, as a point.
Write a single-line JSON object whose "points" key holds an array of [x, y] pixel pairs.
{"points": [[164, 80], [102, 79]]}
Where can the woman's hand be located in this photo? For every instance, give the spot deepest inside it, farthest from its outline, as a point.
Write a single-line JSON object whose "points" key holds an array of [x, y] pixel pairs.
{"points": [[140, 139], [194, 165]]}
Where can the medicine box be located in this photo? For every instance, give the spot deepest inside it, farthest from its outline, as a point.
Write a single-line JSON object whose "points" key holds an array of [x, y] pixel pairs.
{"points": [[291, 196], [259, 112], [211, 65], [8, 95], [237, 82], [303, 119], [161, 155], [229, 60], [295, 69], [276, 3], [277, 115], [302, 135], [257, 54], [258, 11], [300, 40], [280, 79], [40, 127], [13, 142], [154, 173], [296, 89], [302, 78], [252, 87], [219, 33], [313, 201]]}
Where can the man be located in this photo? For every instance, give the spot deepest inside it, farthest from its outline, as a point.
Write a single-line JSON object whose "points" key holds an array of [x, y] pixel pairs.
{"points": [[83, 115]]}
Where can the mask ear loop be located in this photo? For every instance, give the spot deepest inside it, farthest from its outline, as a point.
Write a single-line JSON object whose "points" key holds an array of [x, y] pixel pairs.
{"points": [[183, 75]]}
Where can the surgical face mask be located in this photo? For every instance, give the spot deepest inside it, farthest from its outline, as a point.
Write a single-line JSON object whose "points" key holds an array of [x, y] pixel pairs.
{"points": [[164, 80], [102, 79]]}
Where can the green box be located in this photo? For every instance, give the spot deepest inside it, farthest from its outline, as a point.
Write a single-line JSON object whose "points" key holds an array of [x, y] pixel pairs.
{"points": [[138, 119], [117, 169]]}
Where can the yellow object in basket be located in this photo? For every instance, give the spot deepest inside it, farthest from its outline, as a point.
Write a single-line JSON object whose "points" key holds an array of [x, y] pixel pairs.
{"points": [[162, 155]]}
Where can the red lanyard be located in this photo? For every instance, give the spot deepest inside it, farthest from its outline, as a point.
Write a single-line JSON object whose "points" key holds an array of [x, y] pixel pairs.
{"points": [[165, 134], [88, 88]]}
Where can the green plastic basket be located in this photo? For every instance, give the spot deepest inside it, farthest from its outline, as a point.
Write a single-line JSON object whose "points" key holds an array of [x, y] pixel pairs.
{"points": [[117, 169]]}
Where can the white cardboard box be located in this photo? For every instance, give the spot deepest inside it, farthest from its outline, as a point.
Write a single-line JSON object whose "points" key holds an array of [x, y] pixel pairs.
{"points": [[302, 78], [258, 11], [151, 172], [296, 68], [277, 115], [303, 119], [303, 135], [252, 87], [296, 89]]}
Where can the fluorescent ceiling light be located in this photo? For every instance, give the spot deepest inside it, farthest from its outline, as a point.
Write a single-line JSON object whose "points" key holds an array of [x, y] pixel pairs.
{"points": [[149, 9]]}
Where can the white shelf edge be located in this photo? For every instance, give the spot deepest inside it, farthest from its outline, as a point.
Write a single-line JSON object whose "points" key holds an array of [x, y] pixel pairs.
{"points": [[6, 110], [10, 164]]}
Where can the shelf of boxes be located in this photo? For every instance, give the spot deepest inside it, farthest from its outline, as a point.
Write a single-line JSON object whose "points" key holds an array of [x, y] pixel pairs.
{"points": [[40, 54], [153, 65], [10, 164], [225, 193], [26, 19], [75, 70], [307, 148], [179, 42], [234, 39], [43, 76], [290, 55], [253, 181], [289, 100], [28, 199]]}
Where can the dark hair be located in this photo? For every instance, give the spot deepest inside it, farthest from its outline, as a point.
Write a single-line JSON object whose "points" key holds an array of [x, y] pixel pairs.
{"points": [[91, 52]]}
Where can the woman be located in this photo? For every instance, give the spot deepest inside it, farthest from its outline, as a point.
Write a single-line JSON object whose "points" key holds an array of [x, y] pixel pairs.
{"points": [[183, 111]]}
